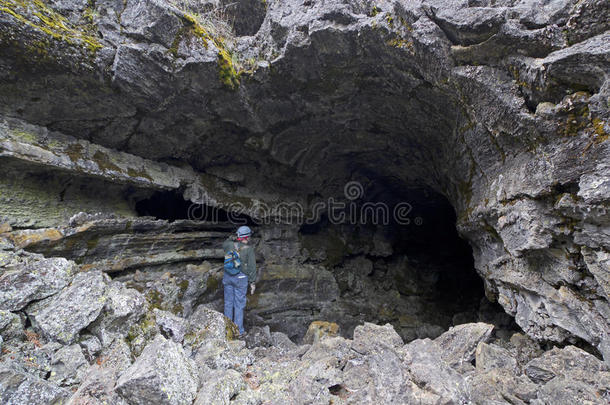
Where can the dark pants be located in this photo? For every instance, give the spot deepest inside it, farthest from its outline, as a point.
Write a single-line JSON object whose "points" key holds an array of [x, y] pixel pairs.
{"points": [[235, 288]]}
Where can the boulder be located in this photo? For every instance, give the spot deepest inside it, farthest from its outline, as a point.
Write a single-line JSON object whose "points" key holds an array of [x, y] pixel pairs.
{"points": [[259, 336], [99, 381], [142, 333], [501, 385], [219, 387], [123, 307], [90, 344], [282, 341], [18, 388], [570, 362], [161, 375], [427, 368], [368, 337], [33, 278], [207, 325], [171, 326], [11, 325], [64, 315], [459, 343], [565, 390], [217, 354], [490, 356], [68, 366]]}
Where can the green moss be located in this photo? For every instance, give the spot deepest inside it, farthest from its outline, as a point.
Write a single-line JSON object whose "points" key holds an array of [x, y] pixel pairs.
{"points": [[390, 19], [401, 43], [599, 130], [212, 283], [577, 120], [41, 17], [155, 299], [22, 135], [104, 163], [146, 327], [231, 330], [226, 70], [197, 29], [374, 11]]}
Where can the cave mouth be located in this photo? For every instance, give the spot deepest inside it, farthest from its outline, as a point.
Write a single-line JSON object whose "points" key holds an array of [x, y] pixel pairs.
{"points": [[171, 206], [422, 282], [417, 275]]}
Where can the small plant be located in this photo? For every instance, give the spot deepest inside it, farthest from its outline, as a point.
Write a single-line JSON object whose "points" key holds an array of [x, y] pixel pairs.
{"points": [[33, 338], [215, 24]]}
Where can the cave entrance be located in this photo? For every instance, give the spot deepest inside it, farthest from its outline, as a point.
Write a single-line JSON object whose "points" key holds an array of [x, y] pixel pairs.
{"points": [[415, 272], [171, 206]]}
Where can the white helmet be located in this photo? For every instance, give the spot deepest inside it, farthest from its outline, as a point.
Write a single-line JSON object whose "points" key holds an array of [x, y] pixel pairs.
{"points": [[244, 231]]}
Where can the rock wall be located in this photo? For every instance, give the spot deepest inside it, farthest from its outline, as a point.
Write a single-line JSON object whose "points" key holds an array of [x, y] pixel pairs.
{"points": [[502, 107]]}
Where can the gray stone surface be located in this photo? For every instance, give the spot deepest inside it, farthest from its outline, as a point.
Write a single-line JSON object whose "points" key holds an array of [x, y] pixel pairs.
{"points": [[162, 374], [32, 277], [170, 325], [569, 362], [490, 356], [90, 344], [17, 388], [100, 379], [459, 344], [123, 307], [62, 316], [383, 336], [219, 387], [11, 325], [68, 366]]}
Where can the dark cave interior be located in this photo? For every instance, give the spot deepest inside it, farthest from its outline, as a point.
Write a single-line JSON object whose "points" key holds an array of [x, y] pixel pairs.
{"points": [[440, 273]]}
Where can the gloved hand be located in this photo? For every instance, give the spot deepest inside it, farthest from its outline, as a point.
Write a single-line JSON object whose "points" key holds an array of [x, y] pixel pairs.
{"points": [[252, 288]]}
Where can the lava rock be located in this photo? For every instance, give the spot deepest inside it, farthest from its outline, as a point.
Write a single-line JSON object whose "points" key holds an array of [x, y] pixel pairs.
{"points": [[571, 362], [490, 356], [259, 336], [458, 345], [11, 325], [90, 344], [68, 365], [64, 315], [17, 388], [161, 375], [100, 379], [427, 368], [500, 384], [282, 341], [564, 390], [170, 325], [123, 307], [34, 278], [219, 387], [383, 336], [206, 325]]}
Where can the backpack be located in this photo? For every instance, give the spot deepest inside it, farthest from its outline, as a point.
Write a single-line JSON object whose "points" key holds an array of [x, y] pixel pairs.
{"points": [[232, 262]]}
